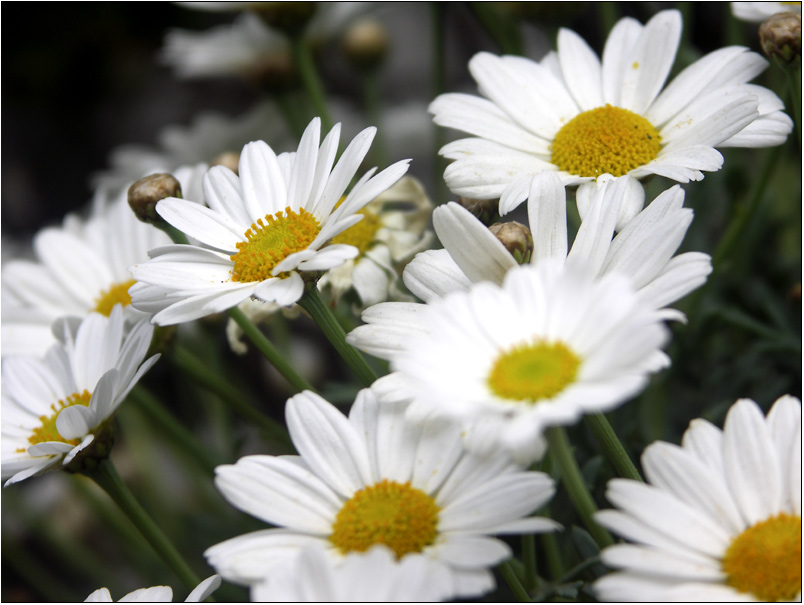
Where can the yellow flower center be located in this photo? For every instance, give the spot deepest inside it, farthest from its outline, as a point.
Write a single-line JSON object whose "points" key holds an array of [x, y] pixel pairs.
{"points": [[361, 235], [533, 372], [117, 293], [395, 514], [271, 241], [605, 140], [765, 560], [48, 432]]}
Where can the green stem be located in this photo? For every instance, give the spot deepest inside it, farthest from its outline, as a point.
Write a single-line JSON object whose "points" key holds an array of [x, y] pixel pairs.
{"points": [[612, 446], [745, 212], [312, 302], [288, 107], [268, 350], [105, 475], [561, 454], [793, 75], [174, 430], [192, 366], [554, 562], [509, 575], [531, 579], [312, 84]]}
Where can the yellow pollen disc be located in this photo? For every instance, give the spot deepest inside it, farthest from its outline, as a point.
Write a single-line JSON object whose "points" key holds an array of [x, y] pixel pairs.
{"points": [[395, 514], [48, 431], [361, 235], [765, 560], [532, 372], [271, 241], [118, 293], [605, 140]]}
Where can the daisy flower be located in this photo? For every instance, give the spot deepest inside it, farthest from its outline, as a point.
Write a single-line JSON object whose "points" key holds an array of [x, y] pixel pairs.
{"points": [[394, 228], [262, 228], [80, 268], [582, 117], [757, 12], [54, 408], [643, 250], [720, 519], [549, 345], [158, 594], [374, 576], [373, 478]]}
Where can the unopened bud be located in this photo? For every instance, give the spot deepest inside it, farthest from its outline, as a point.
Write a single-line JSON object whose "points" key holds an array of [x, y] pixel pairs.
{"points": [[516, 238], [366, 44], [484, 210], [274, 72], [288, 17], [144, 194], [780, 37], [229, 159]]}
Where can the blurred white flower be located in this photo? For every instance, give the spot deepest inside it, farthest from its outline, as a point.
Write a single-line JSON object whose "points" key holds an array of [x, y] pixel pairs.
{"points": [[757, 12], [52, 408], [374, 576], [158, 594]]}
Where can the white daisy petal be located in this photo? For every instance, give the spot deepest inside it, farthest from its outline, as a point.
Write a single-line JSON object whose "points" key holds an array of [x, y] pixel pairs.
{"points": [[581, 69], [203, 224], [433, 274]]}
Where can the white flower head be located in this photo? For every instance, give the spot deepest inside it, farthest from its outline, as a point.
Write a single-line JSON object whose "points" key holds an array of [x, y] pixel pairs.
{"points": [[82, 267], [262, 228], [549, 345], [583, 116], [719, 520], [52, 407], [373, 478], [393, 229], [373, 576], [757, 12], [158, 594], [643, 250]]}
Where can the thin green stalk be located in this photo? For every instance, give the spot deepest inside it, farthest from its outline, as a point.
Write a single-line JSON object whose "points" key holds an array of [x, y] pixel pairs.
{"points": [[612, 446], [793, 75], [554, 562], [105, 475], [288, 107], [561, 454], [192, 366], [745, 212], [509, 575], [267, 348], [531, 579], [310, 80], [176, 432], [312, 302]]}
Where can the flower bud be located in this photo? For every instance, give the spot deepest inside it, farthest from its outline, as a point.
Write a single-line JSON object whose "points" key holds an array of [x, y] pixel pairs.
{"points": [[366, 44], [516, 238], [288, 17], [274, 72], [144, 194], [484, 210], [229, 159], [780, 37]]}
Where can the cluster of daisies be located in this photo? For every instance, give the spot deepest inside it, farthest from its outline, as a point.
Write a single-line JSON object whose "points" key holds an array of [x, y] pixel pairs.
{"points": [[500, 342]]}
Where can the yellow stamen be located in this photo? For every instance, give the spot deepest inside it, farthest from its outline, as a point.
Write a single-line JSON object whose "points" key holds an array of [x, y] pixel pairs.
{"points": [[271, 241], [361, 235], [395, 514], [48, 432], [117, 293], [532, 372], [765, 560], [605, 140]]}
